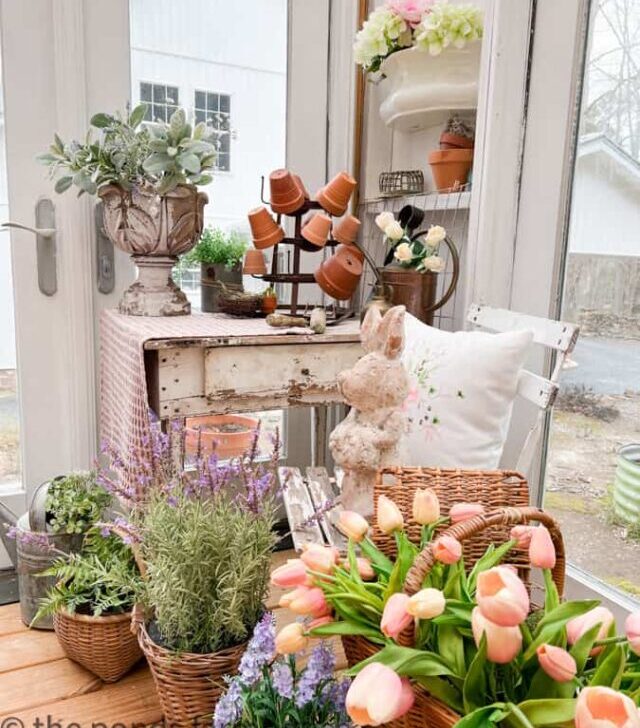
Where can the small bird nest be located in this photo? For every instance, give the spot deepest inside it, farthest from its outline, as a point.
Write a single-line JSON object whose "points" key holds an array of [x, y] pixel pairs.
{"points": [[239, 303]]}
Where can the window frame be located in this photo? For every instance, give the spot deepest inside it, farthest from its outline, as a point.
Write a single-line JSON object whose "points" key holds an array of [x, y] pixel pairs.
{"points": [[228, 114], [152, 103]]}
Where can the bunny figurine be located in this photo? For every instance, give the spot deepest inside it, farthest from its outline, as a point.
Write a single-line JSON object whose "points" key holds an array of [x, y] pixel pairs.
{"points": [[375, 388]]}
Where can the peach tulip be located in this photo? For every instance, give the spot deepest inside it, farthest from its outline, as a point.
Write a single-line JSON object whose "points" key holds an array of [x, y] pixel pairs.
{"points": [[542, 552], [502, 596], [426, 507], [290, 575], [465, 511], [389, 516], [427, 604], [503, 643], [522, 534], [310, 603], [579, 625], [320, 558], [601, 707], [286, 599], [557, 663], [632, 630], [320, 621], [447, 549], [291, 639], [395, 617], [378, 695], [353, 525], [364, 568]]}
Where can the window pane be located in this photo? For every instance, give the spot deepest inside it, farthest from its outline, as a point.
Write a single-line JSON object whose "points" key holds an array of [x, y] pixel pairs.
{"points": [[225, 143], [225, 102], [598, 409], [172, 96], [201, 100], [159, 112], [222, 161], [212, 102], [159, 93], [200, 116], [145, 92]]}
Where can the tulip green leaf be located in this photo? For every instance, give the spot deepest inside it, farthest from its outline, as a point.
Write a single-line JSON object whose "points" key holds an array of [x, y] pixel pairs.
{"points": [[442, 690], [451, 647], [609, 671], [549, 712], [474, 690], [583, 646], [407, 662], [492, 557], [353, 563], [492, 715], [565, 612], [378, 560], [347, 629], [552, 599]]}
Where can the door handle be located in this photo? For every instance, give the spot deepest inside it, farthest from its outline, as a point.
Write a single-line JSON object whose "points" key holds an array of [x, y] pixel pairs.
{"points": [[46, 248]]}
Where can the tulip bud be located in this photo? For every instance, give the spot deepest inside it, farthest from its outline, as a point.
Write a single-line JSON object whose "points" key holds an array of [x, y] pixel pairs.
{"points": [[320, 558], [427, 604], [603, 707], [632, 630], [286, 599], [310, 603], [557, 663], [465, 511], [395, 617], [426, 507], [447, 549], [291, 639], [364, 568], [353, 525], [384, 219], [522, 534], [291, 574], [378, 695], [503, 643], [502, 596], [320, 621], [389, 516], [579, 625], [542, 552]]}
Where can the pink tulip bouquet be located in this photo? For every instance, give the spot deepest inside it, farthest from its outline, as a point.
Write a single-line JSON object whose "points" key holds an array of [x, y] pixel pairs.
{"points": [[476, 643]]}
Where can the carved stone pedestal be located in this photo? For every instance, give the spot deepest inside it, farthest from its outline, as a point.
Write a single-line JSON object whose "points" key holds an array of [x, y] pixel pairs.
{"points": [[154, 293]]}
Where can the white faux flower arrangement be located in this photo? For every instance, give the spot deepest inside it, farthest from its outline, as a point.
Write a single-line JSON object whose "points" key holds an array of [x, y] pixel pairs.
{"points": [[421, 254], [425, 24]]}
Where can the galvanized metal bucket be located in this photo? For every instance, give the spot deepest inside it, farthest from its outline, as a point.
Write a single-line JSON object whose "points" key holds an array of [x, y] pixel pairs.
{"points": [[213, 276], [626, 485]]}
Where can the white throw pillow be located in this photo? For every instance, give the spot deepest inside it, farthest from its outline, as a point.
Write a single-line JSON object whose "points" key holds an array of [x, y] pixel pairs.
{"points": [[462, 389]]}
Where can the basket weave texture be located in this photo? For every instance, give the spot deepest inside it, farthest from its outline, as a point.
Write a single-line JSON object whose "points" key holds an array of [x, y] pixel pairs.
{"points": [[188, 685], [104, 645], [505, 496]]}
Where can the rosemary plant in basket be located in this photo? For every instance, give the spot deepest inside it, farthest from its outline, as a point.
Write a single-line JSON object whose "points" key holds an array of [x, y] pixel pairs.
{"points": [[203, 539]]}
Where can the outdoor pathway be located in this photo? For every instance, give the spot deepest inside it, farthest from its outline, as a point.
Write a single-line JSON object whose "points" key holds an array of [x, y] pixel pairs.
{"points": [[41, 688]]}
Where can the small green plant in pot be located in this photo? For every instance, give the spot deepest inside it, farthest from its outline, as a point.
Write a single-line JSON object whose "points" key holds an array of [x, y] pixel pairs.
{"points": [[203, 541], [147, 176], [91, 603], [220, 256]]}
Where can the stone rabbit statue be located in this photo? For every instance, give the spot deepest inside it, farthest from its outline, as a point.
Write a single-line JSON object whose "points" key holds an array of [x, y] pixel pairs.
{"points": [[375, 388]]}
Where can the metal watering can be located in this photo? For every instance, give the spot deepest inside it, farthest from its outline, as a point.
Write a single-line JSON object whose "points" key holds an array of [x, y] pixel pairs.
{"points": [[30, 560]]}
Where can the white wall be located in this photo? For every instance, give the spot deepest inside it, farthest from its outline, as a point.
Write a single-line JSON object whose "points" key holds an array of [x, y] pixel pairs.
{"points": [[7, 321], [217, 46]]}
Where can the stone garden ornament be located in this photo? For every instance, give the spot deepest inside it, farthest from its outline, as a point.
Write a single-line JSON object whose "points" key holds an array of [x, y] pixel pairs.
{"points": [[375, 389]]}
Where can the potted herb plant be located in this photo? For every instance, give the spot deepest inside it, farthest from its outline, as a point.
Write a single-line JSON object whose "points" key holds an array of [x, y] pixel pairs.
{"points": [[413, 264], [428, 56], [269, 300], [220, 257], [271, 688], [203, 541], [147, 176], [451, 164], [91, 603]]}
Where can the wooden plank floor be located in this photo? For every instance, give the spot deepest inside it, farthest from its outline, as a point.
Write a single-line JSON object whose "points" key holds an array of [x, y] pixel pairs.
{"points": [[40, 687]]}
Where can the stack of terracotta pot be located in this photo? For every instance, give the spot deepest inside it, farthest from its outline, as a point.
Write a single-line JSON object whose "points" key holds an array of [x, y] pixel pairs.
{"points": [[451, 164], [338, 274]]}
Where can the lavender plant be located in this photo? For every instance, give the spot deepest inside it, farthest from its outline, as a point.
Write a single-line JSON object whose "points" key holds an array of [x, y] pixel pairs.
{"points": [[272, 691], [204, 539]]}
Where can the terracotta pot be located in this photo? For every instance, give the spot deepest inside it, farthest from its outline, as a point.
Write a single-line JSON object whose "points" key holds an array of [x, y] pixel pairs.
{"points": [[316, 229], [346, 232], [301, 187], [269, 304], [455, 141], [450, 168], [228, 435], [254, 263], [339, 274], [334, 196], [265, 231], [286, 195]]}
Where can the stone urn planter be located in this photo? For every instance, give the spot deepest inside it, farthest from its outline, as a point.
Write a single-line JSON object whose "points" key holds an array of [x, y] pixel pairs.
{"points": [[154, 229]]}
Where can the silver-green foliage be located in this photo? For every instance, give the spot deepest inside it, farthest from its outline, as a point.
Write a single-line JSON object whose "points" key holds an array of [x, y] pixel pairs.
{"points": [[207, 565], [130, 153], [75, 502]]}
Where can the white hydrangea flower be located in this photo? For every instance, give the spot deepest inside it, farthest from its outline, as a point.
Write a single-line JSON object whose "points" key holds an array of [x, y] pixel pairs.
{"points": [[448, 25], [383, 32]]}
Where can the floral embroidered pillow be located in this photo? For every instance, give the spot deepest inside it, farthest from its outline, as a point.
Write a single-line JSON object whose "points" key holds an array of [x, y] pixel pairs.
{"points": [[462, 389]]}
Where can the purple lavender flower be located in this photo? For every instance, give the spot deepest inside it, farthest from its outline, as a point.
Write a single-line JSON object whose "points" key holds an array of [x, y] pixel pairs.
{"points": [[229, 707], [259, 652], [319, 669], [282, 679], [31, 538]]}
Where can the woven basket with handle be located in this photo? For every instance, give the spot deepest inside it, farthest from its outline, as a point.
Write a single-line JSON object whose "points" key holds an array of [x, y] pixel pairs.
{"points": [[475, 534], [104, 645], [188, 685]]}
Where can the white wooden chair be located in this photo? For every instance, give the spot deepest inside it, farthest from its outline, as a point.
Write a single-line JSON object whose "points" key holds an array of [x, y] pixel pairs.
{"points": [[306, 495]]}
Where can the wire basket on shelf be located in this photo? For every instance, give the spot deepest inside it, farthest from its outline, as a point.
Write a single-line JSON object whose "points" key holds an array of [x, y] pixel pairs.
{"points": [[403, 182]]}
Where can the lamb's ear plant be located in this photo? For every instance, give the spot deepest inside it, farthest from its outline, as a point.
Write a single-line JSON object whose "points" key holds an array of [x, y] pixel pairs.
{"points": [[127, 151]]}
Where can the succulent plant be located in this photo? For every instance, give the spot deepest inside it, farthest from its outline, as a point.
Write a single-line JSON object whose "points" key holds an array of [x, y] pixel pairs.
{"points": [[460, 127], [130, 153]]}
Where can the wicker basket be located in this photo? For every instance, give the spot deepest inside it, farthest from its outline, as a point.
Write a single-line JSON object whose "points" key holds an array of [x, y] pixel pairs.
{"points": [[104, 645], [188, 685], [239, 303]]}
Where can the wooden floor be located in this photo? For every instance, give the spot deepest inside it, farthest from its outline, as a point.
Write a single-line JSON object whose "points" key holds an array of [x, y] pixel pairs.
{"points": [[40, 687]]}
